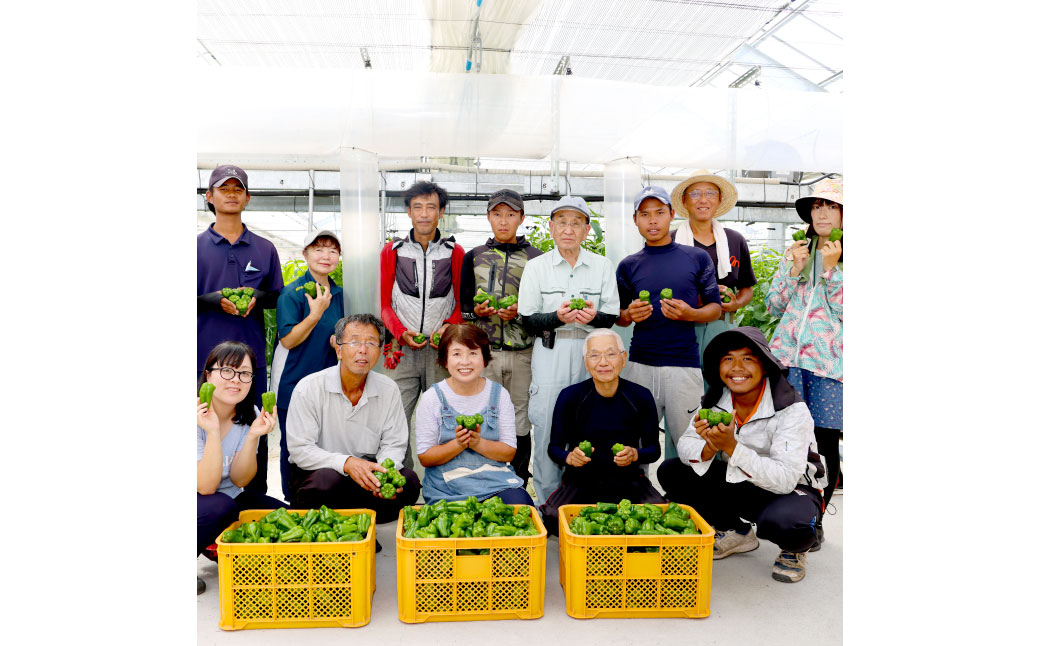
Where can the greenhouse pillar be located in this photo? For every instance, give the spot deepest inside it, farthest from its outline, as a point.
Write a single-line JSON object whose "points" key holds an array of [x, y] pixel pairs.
{"points": [[359, 200], [621, 184]]}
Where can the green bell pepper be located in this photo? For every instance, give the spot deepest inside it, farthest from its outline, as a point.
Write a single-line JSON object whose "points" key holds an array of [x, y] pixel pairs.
{"points": [[440, 507], [579, 525], [252, 530], [397, 479], [479, 418], [653, 512], [666, 292], [247, 292], [227, 293], [380, 476], [503, 530], [632, 526], [268, 401], [726, 418], [644, 296], [206, 393], [725, 296], [425, 516], [435, 339], [388, 491], [617, 448], [460, 420], [506, 302], [269, 530], [578, 304], [799, 234], [311, 288], [586, 447], [714, 418], [349, 537], [443, 526], [236, 291], [291, 536], [624, 508], [233, 536], [363, 523], [703, 414], [598, 517], [470, 422], [615, 525], [596, 529], [479, 529], [387, 463], [457, 506], [835, 235], [606, 507], [674, 522], [419, 338]]}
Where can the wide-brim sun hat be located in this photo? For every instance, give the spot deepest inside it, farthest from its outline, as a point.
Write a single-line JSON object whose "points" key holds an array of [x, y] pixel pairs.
{"points": [[831, 189], [727, 199]]}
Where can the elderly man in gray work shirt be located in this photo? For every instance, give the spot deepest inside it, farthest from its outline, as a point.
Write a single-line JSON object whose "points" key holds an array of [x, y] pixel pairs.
{"points": [[343, 421], [549, 285]]}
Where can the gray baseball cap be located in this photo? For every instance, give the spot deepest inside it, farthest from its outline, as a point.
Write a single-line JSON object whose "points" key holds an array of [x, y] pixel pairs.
{"points": [[508, 197], [655, 192], [223, 173], [572, 203], [314, 235]]}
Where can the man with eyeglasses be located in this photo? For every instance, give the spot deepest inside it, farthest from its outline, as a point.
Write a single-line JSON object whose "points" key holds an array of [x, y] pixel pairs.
{"points": [[664, 354], [605, 411], [419, 277], [232, 256], [549, 290], [342, 422]]}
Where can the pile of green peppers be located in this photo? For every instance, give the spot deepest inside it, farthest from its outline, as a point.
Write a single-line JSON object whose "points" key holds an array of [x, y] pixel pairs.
{"points": [[390, 480], [469, 422], [468, 519], [315, 526], [240, 296], [627, 518], [715, 417], [579, 304]]}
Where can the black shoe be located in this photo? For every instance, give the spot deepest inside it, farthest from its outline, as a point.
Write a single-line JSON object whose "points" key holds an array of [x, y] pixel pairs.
{"points": [[819, 539], [202, 585], [379, 548]]}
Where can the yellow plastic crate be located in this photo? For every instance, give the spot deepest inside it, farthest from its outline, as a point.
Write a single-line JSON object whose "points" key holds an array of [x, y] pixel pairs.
{"points": [[435, 583], [296, 585], [601, 578]]}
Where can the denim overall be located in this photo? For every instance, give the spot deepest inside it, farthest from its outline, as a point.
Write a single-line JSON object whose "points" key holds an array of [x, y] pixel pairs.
{"points": [[468, 473]]}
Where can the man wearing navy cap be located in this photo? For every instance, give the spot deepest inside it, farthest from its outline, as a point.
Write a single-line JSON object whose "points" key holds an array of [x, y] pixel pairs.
{"points": [[663, 354], [230, 255]]}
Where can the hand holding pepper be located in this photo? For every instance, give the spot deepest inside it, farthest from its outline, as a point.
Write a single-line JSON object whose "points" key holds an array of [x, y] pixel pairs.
{"points": [[626, 456], [206, 418], [798, 254], [483, 309], [263, 424], [508, 313], [585, 315], [408, 338], [360, 471], [321, 302], [565, 313], [701, 426], [830, 251], [576, 458], [723, 437], [676, 309], [640, 310], [462, 436]]}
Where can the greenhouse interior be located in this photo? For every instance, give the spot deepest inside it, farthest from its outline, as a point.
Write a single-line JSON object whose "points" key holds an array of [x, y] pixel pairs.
{"points": [[352, 103]]}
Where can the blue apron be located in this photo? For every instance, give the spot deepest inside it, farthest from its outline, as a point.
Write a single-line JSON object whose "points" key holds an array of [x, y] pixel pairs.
{"points": [[468, 473]]}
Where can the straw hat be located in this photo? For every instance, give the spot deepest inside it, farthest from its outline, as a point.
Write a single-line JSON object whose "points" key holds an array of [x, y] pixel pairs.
{"points": [[726, 201], [826, 189]]}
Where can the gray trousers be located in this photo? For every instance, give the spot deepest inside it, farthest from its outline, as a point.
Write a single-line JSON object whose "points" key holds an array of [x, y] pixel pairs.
{"points": [[677, 393], [512, 369], [414, 375], [551, 371]]}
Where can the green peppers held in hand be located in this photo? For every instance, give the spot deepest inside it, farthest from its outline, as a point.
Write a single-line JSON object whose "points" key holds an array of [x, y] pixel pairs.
{"points": [[726, 418], [586, 447], [460, 421], [479, 418], [268, 401], [388, 491], [578, 304], [226, 292], [481, 296], [714, 418], [666, 292], [419, 338], [617, 448], [311, 289], [726, 296], [387, 463], [508, 301], [206, 393], [436, 339], [644, 296], [835, 235], [469, 422], [799, 234], [247, 292], [703, 414]]}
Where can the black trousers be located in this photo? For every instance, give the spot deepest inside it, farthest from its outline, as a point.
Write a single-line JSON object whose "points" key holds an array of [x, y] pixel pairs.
{"points": [[522, 460], [827, 442], [312, 489], [789, 520]]}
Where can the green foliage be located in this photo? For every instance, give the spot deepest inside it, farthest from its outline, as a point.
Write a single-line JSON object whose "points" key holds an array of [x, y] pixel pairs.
{"points": [[541, 238], [290, 272], [764, 262]]}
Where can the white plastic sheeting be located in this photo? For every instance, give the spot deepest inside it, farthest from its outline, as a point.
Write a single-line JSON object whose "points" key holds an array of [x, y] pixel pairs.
{"points": [[400, 114]]}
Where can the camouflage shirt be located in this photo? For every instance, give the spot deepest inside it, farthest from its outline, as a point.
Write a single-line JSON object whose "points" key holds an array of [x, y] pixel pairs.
{"points": [[496, 267]]}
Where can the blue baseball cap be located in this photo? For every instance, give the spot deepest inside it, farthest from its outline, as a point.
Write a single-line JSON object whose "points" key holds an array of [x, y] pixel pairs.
{"points": [[655, 192]]}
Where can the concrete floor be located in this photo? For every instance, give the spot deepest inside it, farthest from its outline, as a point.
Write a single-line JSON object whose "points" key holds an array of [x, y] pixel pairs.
{"points": [[747, 605]]}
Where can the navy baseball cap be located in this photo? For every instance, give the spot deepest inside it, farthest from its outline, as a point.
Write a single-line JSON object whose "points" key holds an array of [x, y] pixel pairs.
{"points": [[655, 192], [223, 173]]}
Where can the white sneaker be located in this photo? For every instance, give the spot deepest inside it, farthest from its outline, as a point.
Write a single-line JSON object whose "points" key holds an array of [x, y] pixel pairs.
{"points": [[733, 542], [789, 567]]}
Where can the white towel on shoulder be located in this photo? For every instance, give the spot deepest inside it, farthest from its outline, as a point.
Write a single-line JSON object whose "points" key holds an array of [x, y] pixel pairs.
{"points": [[684, 235]]}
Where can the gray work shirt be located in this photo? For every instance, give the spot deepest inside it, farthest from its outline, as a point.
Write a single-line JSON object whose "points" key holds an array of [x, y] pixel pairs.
{"points": [[549, 279], [324, 428]]}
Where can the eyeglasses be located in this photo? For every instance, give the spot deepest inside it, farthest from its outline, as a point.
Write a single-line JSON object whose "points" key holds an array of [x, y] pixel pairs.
{"points": [[228, 374], [369, 345], [596, 356], [573, 225], [696, 195]]}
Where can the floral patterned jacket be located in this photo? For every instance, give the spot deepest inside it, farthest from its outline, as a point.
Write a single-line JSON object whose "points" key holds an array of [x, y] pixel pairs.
{"points": [[809, 335]]}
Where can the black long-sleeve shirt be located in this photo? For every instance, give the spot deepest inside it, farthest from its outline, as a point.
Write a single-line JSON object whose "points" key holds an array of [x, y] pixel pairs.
{"points": [[629, 418]]}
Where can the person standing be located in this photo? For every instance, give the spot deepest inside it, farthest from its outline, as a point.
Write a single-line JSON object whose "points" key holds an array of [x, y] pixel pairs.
{"points": [[496, 267], [306, 324], [701, 199], [232, 256], [809, 286], [419, 278], [548, 287], [664, 353]]}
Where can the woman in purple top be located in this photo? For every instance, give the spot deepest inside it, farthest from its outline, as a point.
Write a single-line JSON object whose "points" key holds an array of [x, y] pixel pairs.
{"points": [[227, 431]]}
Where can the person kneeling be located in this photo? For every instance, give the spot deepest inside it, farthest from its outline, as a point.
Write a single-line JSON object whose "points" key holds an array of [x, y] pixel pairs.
{"points": [[606, 411], [761, 465], [465, 426], [343, 422]]}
